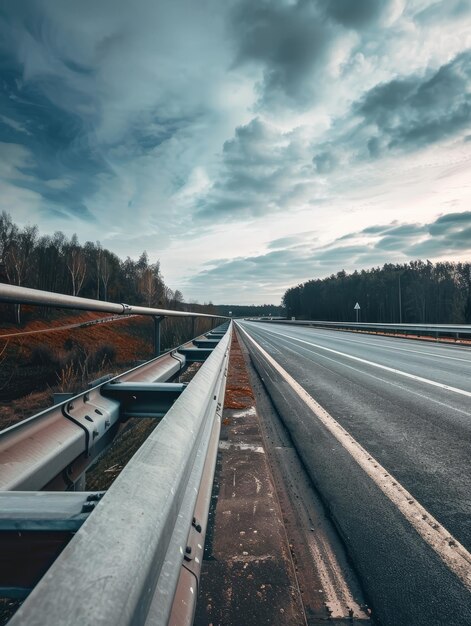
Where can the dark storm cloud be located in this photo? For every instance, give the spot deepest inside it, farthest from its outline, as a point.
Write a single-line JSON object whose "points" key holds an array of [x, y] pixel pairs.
{"points": [[55, 139], [449, 234], [110, 105], [288, 40], [409, 113], [264, 170], [403, 115], [356, 13], [292, 42], [63, 163], [77, 95], [450, 222], [396, 238]]}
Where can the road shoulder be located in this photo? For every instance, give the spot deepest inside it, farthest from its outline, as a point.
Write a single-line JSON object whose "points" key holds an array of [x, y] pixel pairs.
{"points": [[248, 575]]}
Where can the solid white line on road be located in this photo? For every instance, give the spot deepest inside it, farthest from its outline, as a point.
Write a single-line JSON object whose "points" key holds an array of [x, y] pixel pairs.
{"points": [[387, 345], [420, 379], [453, 554], [382, 379]]}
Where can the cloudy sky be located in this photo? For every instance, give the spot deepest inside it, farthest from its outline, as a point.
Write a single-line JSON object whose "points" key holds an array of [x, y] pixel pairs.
{"points": [[247, 144]]}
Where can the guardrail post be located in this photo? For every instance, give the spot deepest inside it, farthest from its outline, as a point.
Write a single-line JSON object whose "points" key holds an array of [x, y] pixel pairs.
{"points": [[193, 327], [81, 483], [157, 321]]}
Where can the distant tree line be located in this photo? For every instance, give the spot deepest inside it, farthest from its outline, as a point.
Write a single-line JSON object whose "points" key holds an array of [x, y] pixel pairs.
{"points": [[415, 292], [56, 263], [250, 310]]}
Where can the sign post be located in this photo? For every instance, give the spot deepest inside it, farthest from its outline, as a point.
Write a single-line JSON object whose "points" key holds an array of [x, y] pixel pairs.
{"points": [[357, 309]]}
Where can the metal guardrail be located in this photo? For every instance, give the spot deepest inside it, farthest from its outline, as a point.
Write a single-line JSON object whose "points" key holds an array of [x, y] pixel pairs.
{"points": [[144, 540], [24, 295], [137, 552], [53, 449], [13, 294], [432, 330]]}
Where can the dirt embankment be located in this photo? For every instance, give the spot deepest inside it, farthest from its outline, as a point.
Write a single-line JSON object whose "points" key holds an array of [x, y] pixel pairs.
{"points": [[33, 366]]}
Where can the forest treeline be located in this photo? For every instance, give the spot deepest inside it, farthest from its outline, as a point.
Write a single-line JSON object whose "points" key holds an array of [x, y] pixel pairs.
{"points": [[250, 310], [56, 263], [415, 292], [62, 265]]}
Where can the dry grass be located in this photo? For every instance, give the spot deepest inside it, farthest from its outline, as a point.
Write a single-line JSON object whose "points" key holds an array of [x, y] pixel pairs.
{"points": [[32, 367], [20, 409], [103, 473], [130, 337]]}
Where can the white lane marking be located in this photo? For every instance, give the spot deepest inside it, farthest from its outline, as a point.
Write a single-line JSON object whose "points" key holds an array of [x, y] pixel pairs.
{"points": [[369, 375], [434, 383], [453, 554], [388, 346]]}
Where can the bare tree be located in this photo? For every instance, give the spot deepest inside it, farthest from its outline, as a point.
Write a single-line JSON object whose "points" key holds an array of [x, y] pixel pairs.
{"points": [[98, 267], [169, 296], [178, 298], [105, 274], [76, 264], [150, 285], [18, 258], [8, 234]]}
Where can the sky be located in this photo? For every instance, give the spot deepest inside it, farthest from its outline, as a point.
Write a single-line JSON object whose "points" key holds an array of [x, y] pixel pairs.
{"points": [[249, 145]]}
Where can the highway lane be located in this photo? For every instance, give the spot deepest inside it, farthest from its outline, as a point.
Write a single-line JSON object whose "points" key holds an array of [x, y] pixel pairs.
{"points": [[408, 404]]}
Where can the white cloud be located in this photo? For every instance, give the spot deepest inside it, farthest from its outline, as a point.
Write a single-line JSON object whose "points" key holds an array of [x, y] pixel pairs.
{"points": [[292, 260], [202, 130]]}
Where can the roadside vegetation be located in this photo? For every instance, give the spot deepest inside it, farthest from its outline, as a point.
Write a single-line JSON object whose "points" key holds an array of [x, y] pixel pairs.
{"points": [[418, 292], [56, 263], [34, 367]]}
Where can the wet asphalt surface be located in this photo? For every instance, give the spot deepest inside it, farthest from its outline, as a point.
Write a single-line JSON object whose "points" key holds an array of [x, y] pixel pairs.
{"points": [[421, 434]]}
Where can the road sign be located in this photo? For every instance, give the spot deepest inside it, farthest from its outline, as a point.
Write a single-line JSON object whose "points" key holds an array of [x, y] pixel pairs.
{"points": [[357, 309]]}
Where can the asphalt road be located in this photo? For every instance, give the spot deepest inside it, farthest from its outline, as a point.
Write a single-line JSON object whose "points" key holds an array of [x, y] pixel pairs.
{"points": [[408, 404]]}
